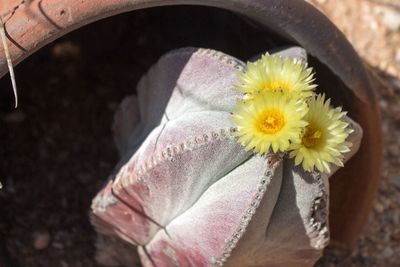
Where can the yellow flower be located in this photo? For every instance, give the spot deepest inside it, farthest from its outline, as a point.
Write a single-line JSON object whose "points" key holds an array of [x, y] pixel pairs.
{"points": [[272, 119], [323, 141], [273, 73]]}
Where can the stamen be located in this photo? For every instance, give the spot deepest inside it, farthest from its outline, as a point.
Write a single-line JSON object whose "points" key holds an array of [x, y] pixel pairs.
{"points": [[276, 86], [311, 137], [272, 121]]}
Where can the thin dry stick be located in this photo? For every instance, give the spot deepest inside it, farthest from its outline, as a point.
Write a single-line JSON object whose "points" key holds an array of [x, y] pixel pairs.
{"points": [[9, 62]]}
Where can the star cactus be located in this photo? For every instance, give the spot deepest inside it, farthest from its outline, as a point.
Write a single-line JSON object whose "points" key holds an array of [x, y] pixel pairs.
{"points": [[186, 193]]}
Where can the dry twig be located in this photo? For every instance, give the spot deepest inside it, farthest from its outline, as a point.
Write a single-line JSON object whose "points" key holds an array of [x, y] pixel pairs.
{"points": [[9, 62]]}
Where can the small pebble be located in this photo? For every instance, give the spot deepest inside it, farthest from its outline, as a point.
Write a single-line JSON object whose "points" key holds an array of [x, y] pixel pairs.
{"points": [[391, 19], [378, 207], [41, 239], [387, 252], [396, 236], [396, 181]]}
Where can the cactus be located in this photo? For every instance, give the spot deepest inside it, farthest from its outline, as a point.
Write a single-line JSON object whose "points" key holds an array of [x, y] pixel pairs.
{"points": [[185, 193]]}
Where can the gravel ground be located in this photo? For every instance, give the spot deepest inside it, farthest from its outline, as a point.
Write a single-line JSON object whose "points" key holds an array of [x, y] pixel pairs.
{"points": [[59, 148]]}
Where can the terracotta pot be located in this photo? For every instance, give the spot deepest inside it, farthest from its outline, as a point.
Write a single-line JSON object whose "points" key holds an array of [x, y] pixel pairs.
{"points": [[32, 24]]}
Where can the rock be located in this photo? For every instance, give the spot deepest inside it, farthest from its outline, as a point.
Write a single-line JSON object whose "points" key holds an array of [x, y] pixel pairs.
{"points": [[391, 19], [41, 239], [378, 207], [387, 252]]}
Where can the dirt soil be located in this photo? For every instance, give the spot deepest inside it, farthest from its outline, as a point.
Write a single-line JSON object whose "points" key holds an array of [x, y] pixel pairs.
{"points": [[56, 150]]}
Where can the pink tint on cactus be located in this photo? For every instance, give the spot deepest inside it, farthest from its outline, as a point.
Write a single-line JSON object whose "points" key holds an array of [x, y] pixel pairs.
{"points": [[214, 224], [110, 209], [189, 192]]}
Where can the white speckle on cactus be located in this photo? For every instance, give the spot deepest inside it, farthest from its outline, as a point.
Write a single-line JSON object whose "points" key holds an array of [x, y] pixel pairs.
{"points": [[102, 202]]}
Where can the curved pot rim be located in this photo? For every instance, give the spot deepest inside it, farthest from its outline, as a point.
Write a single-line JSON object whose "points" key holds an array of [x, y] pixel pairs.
{"points": [[31, 25]]}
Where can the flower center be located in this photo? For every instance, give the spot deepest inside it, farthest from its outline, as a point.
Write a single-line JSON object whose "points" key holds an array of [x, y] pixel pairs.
{"points": [[276, 86], [272, 121], [312, 137]]}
